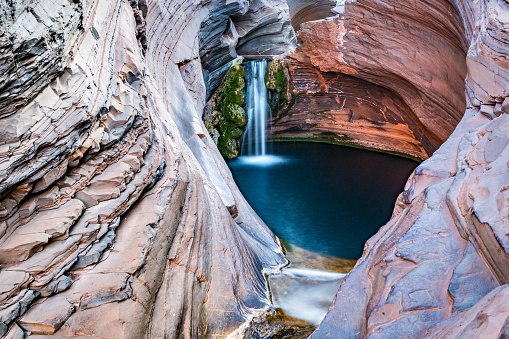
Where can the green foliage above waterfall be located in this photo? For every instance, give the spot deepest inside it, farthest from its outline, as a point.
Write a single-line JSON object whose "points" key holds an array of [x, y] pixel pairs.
{"points": [[227, 119], [277, 81]]}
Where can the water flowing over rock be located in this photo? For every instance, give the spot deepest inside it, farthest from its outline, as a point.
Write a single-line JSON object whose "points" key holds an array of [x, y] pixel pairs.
{"points": [[120, 219], [254, 140]]}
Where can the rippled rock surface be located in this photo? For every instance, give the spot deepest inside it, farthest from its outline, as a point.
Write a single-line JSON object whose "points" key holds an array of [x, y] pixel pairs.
{"points": [[439, 268], [333, 107], [118, 216]]}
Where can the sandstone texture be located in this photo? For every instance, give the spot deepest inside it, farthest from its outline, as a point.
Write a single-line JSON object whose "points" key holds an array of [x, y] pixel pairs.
{"points": [[419, 60], [118, 215], [439, 268], [303, 11], [415, 49]]}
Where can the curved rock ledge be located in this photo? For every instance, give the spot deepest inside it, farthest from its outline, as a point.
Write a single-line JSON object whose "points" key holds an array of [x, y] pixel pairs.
{"points": [[304, 11], [119, 217], [337, 108], [419, 57]]}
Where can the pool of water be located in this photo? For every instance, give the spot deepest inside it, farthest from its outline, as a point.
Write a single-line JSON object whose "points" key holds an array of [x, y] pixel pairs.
{"points": [[324, 198]]}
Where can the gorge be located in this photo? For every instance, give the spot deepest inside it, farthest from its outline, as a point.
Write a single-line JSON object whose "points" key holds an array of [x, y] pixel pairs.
{"points": [[119, 217]]}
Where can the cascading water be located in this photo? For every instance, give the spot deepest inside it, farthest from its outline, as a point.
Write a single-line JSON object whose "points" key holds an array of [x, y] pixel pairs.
{"points": [[287, 185], [254, 142]]}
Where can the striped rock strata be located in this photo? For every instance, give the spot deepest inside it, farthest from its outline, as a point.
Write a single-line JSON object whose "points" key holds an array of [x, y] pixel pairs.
{"points": [[118, 216], [439, 268]]}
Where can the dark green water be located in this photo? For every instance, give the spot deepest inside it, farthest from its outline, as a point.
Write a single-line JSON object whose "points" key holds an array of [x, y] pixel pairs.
{"points": [[324, 198]]}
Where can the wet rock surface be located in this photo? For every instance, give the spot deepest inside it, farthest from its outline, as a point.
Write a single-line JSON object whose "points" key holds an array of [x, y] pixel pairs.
{"points": [[276, 324], [304, 293]]}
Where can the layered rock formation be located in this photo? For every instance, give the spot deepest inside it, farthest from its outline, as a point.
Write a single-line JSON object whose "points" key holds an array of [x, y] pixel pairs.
{"points": [[255, 28], [332, 107], [420, 62], [439, 267], [118, 216], [303, 11], [419, 57]]}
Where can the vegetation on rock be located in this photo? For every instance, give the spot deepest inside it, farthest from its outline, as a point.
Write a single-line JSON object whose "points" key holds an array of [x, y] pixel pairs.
{"points": [[277, 81], [344, 141], [227, 120]]}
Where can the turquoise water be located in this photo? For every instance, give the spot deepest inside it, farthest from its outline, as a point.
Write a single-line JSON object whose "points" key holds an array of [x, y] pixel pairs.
{"points": [[324, 198]]}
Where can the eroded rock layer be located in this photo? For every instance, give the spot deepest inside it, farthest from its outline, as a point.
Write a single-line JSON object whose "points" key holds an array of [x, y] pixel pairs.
{"points": [[439, 267], [392, 44], [118, 215], [335, 107], [254, 28], [119, 218]]}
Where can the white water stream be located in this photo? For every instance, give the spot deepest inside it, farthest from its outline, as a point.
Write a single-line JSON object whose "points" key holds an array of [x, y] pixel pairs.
{"points": [[255, 142], [301, 292]]}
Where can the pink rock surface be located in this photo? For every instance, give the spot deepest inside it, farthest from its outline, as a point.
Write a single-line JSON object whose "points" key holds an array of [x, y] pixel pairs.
{"points": [[435, 268], [119, 218], [114, 201]]}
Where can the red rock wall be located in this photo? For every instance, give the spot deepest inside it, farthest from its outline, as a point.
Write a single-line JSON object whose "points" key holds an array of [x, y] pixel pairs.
{"points": [[118, 216], [341, 108], [420, 57]]}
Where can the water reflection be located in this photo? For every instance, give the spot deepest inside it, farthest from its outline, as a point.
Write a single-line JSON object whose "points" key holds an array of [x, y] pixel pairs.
{"points": [[324, 198]]}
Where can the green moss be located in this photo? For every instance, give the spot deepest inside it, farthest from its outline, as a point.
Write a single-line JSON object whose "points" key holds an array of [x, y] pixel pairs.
{"points": [[235, 114], [229, 117], [229, 148], [324, 111], [287, 247], [334, 137], [281, 80], [277, 81], [347, 143], [236, 132], [231, 90]]}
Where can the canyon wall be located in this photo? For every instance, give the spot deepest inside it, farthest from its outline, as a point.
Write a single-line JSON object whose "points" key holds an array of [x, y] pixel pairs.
{"points": [[419, 59], [118, 215], [439, 268], [338, 108], [419, 62]]}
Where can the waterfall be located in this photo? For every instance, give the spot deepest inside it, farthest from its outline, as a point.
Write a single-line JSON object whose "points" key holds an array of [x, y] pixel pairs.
{"points": [[254, 141]]}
